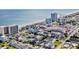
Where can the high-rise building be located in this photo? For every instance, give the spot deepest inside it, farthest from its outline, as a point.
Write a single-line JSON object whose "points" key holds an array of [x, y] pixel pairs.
{"points": [[54, 17], [48, 20], [61, 20], [4, 29], [13, 29]]}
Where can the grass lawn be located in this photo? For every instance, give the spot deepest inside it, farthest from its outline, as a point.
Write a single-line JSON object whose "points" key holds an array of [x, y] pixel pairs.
{"points": [[57, 43], [5, 44], [10, 47]]}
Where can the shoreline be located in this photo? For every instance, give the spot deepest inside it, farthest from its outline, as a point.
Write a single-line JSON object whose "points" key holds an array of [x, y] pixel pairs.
{"points": [[31, 23], [23, 25]]}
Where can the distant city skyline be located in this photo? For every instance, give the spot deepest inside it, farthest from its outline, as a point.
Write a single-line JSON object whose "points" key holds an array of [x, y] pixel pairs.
{"points": [[25, 16]]}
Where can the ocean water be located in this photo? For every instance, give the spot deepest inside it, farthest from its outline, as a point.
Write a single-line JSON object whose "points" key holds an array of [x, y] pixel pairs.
{"points": [[26, 16]]}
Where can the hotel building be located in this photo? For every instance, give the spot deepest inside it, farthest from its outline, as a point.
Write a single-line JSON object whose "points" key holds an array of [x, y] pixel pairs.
{"points": [[12, 29], [54, 17], [4, 30], [48, 20]]}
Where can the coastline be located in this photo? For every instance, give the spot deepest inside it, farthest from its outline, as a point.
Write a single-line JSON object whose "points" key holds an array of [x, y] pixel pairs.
{"points": [[31, 23], [23, 25]]}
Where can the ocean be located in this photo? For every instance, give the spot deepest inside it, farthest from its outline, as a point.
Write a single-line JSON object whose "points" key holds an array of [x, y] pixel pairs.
{"points": [[26, 16]]}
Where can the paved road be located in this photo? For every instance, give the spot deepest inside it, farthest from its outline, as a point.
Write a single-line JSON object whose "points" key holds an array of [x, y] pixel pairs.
{"points": [[76, 30]]}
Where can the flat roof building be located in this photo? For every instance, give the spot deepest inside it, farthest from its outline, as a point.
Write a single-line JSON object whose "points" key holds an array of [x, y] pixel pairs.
{"points": [[54, 17], [48, 20], [4, 29], [13, 29]]}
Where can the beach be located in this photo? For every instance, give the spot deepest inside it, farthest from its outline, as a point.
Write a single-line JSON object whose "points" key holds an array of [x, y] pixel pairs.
{"points": [[31, 23]]}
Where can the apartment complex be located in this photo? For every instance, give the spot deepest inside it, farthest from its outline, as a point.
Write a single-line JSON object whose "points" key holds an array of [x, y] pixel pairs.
{"points": [[4, 29], [12, 29], [54, 17]]}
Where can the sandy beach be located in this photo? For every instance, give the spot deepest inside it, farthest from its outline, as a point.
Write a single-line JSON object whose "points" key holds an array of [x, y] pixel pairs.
{"points": [[31, 23]]}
